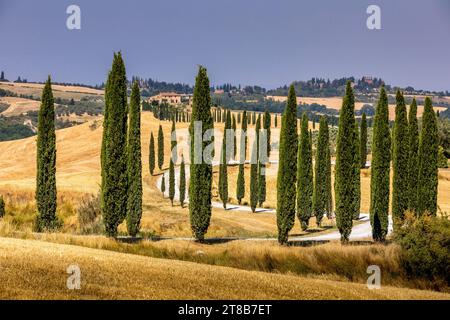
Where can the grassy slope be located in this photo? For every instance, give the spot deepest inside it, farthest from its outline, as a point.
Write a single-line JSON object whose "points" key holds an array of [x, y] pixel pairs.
{"points": [[34, 269]]}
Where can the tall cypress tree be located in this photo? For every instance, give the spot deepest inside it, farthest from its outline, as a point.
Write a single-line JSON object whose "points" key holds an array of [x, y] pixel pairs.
{"points": [[276, 121], [287, 168], [182, 186], [381, 158], [46, 162], [233, 126], [266, 126], [151, 155], [400, 161], [304, 175], [346, 153], [160, 147], [322, 168], [357, 176], [224, 158], [163, 184], [413, 158], [173, 150], [240, 188], [428, 162], [114, 150], [201, 173], [254, 177], [262, 160], [363, 141], [134, 166], [329, 188], [223, 173]]}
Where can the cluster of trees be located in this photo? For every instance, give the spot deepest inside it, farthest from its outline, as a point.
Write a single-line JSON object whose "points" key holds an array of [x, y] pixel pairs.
{"points": [[152, 87], [164, 111], [121, 187]]}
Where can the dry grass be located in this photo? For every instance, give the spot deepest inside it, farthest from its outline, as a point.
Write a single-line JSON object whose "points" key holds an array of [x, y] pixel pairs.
{"points": [[64, 92], [18, 106], [37, 270]]}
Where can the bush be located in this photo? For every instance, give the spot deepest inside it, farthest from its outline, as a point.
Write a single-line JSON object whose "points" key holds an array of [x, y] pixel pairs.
{"points": [[2, 207], [89, 215], [425, 244]]}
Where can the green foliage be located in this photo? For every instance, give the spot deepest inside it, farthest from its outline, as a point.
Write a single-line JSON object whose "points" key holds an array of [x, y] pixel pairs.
{"points": [[151, 156], [413, 156], [201, 173], [2, 207], [233, 126], [254, 177], [287, 169], [114, 148], [305, 186], [223, 172], [357, 177], [12, 129], [442, 160], [425, 243], [160, 147], [428, 158], [163, 184], [240, 188], [266, 126], [182, 185], [322, 182], [363, 141], [381, 158], [346, 167], [400, 161], [173, 145], [46, 163], [134, 166], [276, 121]]}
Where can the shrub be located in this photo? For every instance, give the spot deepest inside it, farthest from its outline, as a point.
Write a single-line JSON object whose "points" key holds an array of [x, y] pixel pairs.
{"points": [[2, 207], [425, 244], [89, 215]]}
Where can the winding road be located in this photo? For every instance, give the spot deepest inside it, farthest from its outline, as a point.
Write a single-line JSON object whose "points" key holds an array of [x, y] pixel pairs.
{"points": [[359, 231]]}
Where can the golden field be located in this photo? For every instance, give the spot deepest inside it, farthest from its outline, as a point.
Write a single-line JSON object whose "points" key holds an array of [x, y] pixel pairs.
{"points": [[37, 270]]}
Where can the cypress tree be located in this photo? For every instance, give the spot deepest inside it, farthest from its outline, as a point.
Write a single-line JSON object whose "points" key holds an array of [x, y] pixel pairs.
{"points": [[160, 147], [239, 118], [413, 158], [357, 176], [381, 157], [201, 173], [182, 182], [262, 160], [287, 168], [400, 161], [428, 162], [46, 163], [163, 184], [2, 207], [173, 146], [115, 158], [346, 153], [266, 126], [134, 166], [363, 141], [329, 188], [151, 156], [322, 168], [240, 188], [304, 175], [254, 177], [276, 121], [234, 137], [223, 174]]}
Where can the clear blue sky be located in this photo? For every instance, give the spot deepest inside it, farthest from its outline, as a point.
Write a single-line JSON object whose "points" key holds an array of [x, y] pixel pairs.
{"points": [[268, 43]]}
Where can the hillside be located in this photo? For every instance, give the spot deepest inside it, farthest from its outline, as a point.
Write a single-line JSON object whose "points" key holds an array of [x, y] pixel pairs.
{"points": [[37, 270]]}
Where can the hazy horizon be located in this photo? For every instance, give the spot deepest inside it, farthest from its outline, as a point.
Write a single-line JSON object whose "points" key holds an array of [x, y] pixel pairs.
{"points": [[264, 43]]}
